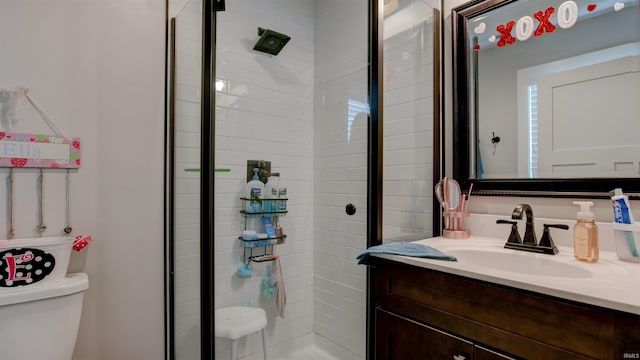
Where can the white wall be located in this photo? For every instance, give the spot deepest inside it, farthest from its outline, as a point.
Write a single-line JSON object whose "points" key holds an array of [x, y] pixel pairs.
{"points": [[97, 68]]}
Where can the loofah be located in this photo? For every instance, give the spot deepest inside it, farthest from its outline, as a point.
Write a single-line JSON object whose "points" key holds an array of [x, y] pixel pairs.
{"points": [[268, 286], [244, 270]]}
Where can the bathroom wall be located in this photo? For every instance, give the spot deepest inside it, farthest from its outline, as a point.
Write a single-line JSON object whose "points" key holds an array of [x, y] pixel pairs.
{"points": [[264, 111], [97, 68]]}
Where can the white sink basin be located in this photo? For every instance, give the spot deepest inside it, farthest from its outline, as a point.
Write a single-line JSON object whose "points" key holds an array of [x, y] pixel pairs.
{"points": [[609, 283], [524, 263]]}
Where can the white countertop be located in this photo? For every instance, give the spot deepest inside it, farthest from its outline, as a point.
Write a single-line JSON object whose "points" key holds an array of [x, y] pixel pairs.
{"points": [[608, 283]]}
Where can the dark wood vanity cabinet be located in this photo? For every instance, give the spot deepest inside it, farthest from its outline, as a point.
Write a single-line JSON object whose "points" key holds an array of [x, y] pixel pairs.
{"points": [[398, 337], [426, 314]]}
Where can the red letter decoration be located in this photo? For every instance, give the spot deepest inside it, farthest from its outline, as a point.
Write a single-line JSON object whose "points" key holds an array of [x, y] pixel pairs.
{"points": [[505, 34], [545, 24], [24, 266]]}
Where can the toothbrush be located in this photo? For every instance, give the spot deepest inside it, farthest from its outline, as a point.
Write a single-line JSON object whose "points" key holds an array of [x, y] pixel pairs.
{"points": [[466, 199]]}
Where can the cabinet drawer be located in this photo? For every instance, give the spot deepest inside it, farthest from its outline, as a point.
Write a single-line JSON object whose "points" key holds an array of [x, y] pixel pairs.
{"points": [[399, 338]]}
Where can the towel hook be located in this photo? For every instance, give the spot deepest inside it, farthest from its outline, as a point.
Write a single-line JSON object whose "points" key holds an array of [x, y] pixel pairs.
{"points": [[68, 229], [12, 232], [42, 227]]}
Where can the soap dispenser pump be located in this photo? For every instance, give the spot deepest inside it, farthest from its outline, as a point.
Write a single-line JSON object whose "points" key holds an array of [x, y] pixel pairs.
{"points": [[585, 234]]}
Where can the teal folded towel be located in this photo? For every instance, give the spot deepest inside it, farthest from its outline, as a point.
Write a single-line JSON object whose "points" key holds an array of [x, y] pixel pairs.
{"points": [[405, 249]]}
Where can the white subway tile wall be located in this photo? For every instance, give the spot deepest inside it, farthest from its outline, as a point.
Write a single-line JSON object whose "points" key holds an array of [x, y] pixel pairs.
{"points": [[264, 111], [304, 110]]}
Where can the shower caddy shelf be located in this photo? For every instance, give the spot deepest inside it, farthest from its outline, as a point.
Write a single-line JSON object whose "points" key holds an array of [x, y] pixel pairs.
{"points": [[267, 243]]}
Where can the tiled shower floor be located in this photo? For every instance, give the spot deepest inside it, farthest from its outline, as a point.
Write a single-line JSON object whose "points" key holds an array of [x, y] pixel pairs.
{"points": [[309, 353]]}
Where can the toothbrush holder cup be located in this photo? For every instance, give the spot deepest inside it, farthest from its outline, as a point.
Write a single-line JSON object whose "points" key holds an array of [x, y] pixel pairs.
{"points": [[627, 240], [453, 228]]}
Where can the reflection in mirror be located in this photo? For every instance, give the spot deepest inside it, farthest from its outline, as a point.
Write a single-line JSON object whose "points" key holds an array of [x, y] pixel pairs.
{"points": [[557, 83]]}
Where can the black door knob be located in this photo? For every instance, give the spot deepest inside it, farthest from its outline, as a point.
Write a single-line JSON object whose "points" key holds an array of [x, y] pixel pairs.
{"points": [[350, 209]]}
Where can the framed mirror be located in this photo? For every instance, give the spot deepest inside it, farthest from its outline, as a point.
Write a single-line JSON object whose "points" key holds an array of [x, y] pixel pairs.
{"points": [[547, 97]]}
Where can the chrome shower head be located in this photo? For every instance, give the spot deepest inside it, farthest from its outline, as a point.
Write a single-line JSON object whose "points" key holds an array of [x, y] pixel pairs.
{"points": [[270, 42]]}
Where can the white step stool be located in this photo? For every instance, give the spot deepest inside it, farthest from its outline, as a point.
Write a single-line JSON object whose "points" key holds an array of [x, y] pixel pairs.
{"points": [[235, 322]]}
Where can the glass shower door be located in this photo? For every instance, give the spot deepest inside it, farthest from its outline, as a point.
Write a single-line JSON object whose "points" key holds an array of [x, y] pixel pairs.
{"points": [[306, 111], [411, 118], [183, 184]]}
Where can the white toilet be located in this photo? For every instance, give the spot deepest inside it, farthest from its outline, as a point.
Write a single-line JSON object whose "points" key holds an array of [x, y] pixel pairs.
{"points": [[41, 321]]}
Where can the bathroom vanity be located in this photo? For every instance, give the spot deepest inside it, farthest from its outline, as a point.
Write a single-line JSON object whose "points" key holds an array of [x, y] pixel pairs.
{"points": [[430, 309]]}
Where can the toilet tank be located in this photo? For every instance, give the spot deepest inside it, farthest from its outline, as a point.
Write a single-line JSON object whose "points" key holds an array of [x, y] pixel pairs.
{"points": [[41, 321]]}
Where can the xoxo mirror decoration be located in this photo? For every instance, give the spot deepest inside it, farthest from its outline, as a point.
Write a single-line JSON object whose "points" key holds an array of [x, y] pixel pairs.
{"points": [[559, 81]]}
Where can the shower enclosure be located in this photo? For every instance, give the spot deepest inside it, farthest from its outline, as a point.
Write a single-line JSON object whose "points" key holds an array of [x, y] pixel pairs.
{"points": [[347, 112]]}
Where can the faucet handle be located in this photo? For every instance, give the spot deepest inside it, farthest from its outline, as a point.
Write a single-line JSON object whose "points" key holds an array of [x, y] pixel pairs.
{"points": [[546, 240], [514, 237]]}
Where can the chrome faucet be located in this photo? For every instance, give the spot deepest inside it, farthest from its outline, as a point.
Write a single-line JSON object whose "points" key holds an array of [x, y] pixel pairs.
{"points": [[529, 231]]}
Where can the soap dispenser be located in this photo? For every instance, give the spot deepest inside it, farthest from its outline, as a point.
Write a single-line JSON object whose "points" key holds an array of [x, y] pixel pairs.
{"points": [[270, 193], [585, 234], [255, 194]]}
